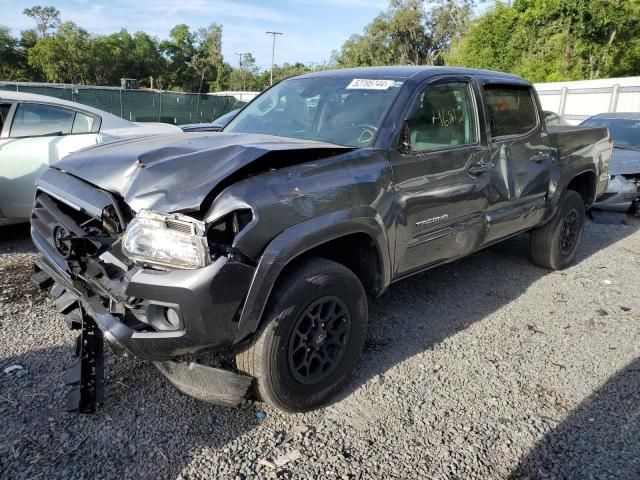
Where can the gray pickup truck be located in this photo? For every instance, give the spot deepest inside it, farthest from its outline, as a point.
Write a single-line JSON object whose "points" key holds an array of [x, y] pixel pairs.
{"points": [[264, 240]]}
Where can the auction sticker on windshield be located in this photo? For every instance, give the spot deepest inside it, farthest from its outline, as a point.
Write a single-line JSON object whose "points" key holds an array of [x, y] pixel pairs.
{"points": [[370, 84]]}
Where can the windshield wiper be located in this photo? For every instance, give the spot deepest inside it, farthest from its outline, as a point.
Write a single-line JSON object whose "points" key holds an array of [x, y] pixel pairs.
{"points": [[626, 147]]}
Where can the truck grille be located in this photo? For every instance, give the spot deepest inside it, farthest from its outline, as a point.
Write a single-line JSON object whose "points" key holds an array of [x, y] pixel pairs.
{"points": [[74, 224], [70, 232]]}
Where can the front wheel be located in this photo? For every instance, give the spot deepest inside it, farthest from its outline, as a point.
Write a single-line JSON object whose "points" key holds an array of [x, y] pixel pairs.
{"points": [[311, 336], [555, 244]]}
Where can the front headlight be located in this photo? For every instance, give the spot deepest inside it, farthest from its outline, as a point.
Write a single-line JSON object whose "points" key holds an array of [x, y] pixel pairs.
{"points": [[172, 240]]}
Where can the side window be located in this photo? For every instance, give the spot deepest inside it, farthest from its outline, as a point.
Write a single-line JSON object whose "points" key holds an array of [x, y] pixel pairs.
{"points": [[82, 123], [4, 113], [443, 117], [32, 120], [511, 110]]}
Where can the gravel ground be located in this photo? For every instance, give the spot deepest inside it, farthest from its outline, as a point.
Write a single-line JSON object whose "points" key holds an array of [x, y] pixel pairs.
{"points": [[489, 367]]}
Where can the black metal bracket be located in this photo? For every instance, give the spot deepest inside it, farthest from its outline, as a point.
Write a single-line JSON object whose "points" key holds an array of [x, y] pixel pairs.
{"points": [[86, 375]]}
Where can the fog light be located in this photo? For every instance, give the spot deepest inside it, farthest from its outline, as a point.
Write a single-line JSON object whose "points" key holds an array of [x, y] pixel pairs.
{"points": [[172, 317], [164, 318]]}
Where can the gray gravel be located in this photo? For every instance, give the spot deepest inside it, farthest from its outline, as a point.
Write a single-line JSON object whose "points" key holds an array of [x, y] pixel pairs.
{"points": [[485, 368]]}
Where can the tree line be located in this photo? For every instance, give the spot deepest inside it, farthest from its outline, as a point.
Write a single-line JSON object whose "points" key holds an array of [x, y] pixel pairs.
{"points": [[188, 60], [542, 40]]}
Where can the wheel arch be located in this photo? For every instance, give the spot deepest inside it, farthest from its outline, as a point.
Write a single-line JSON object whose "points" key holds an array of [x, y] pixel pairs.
{"points": [[337, 236], [585, 184]]}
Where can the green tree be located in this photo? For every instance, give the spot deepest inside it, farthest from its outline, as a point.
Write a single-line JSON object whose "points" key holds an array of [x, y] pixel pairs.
{"points": [[222, 81], [207, 58], [245, 77], [122, 55], [12, 61], [179, 50], [553, 40], [396, 36], [64, 56], [146, 59], [447, 21], [46, 18], [280, 72], [409, 32]]}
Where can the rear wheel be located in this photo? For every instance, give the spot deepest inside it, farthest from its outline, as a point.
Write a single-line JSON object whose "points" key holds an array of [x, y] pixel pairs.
{"points": [[555, 244], [311, 336]]}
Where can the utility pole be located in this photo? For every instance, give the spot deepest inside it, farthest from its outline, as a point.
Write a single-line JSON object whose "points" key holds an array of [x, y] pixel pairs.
{"points": [[312, 64], [273, 52], [240, 55]]}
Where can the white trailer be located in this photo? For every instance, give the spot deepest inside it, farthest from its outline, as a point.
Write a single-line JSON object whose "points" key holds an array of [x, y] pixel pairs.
{"points": [[578, 100]]}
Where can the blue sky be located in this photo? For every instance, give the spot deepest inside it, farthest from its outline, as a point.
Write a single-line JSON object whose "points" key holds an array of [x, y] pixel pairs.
{"points": [[312, 29]]}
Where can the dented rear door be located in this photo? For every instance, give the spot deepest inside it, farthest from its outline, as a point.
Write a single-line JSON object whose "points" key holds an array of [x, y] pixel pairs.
{"points": [[522, 160]]}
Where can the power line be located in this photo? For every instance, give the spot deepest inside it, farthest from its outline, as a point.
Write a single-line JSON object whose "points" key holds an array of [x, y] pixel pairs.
{"points": [[273, 51]]}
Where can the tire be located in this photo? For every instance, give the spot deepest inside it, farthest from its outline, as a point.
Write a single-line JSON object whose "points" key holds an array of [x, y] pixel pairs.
{"points": [[289, 357], [555, 244]]}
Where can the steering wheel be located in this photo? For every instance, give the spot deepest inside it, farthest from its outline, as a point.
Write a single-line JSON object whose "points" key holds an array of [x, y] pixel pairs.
{"points": [[367, 132]]}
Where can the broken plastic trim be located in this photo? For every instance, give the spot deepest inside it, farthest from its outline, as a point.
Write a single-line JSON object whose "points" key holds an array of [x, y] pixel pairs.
{"points": [[207, 384], [86, 376], [222, 233]]}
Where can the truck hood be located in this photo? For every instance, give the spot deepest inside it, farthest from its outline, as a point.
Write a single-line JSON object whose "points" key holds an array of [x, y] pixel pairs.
{"points": [[625, 162], [172, 173]]}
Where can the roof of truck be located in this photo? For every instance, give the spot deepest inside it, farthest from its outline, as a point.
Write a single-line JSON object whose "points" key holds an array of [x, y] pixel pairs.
{"points": [[406, 71]]}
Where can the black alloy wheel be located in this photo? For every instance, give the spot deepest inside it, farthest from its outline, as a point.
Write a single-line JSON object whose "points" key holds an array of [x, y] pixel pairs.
{"points": [[319, 340]]}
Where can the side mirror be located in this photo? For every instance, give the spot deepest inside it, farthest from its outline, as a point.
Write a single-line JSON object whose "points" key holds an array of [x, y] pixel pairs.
{"points": [[404, 142]]}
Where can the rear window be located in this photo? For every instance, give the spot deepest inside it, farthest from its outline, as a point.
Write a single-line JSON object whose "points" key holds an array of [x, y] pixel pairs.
{"points": [[511, 110], [82, 123], [624, 132]]}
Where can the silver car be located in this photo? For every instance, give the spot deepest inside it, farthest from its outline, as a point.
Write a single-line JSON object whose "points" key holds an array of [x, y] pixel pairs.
{"points": [[37, 131], [624, 185]]}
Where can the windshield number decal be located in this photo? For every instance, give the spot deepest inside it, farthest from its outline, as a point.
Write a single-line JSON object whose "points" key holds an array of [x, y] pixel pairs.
{"points": [[370, 84]]}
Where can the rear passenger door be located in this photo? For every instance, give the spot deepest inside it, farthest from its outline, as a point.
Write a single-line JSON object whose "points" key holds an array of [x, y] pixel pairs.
{"points": [[441, 177], [521, 159]]}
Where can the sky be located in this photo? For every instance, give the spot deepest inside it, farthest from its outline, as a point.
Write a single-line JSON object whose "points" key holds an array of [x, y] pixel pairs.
{"points": [[312, 29]]}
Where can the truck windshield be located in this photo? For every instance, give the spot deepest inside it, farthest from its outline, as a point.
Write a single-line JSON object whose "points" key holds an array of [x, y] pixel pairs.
{"points": [[339, 110], [624, 132]]}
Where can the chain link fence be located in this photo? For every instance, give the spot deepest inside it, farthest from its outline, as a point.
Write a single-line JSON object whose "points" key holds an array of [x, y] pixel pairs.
{"points": [[137, 105]]}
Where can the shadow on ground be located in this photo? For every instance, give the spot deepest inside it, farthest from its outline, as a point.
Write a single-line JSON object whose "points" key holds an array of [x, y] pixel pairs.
{"points": [[600, 439], [421, 311], [16, 239]]}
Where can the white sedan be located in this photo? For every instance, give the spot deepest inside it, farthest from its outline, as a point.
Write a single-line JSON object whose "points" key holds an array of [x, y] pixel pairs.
{"points": [[36, 131]]}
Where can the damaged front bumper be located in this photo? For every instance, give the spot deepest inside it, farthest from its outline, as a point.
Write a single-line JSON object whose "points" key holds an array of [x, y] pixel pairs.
{"points": [[152, 314], [206, 301]]}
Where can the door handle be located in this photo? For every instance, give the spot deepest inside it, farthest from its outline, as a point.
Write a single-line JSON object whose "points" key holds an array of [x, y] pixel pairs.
{"points": [[539, 157], [477, 169]]}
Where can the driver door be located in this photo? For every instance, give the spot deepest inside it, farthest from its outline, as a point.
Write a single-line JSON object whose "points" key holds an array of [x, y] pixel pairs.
{"points": [[441, 176]]}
